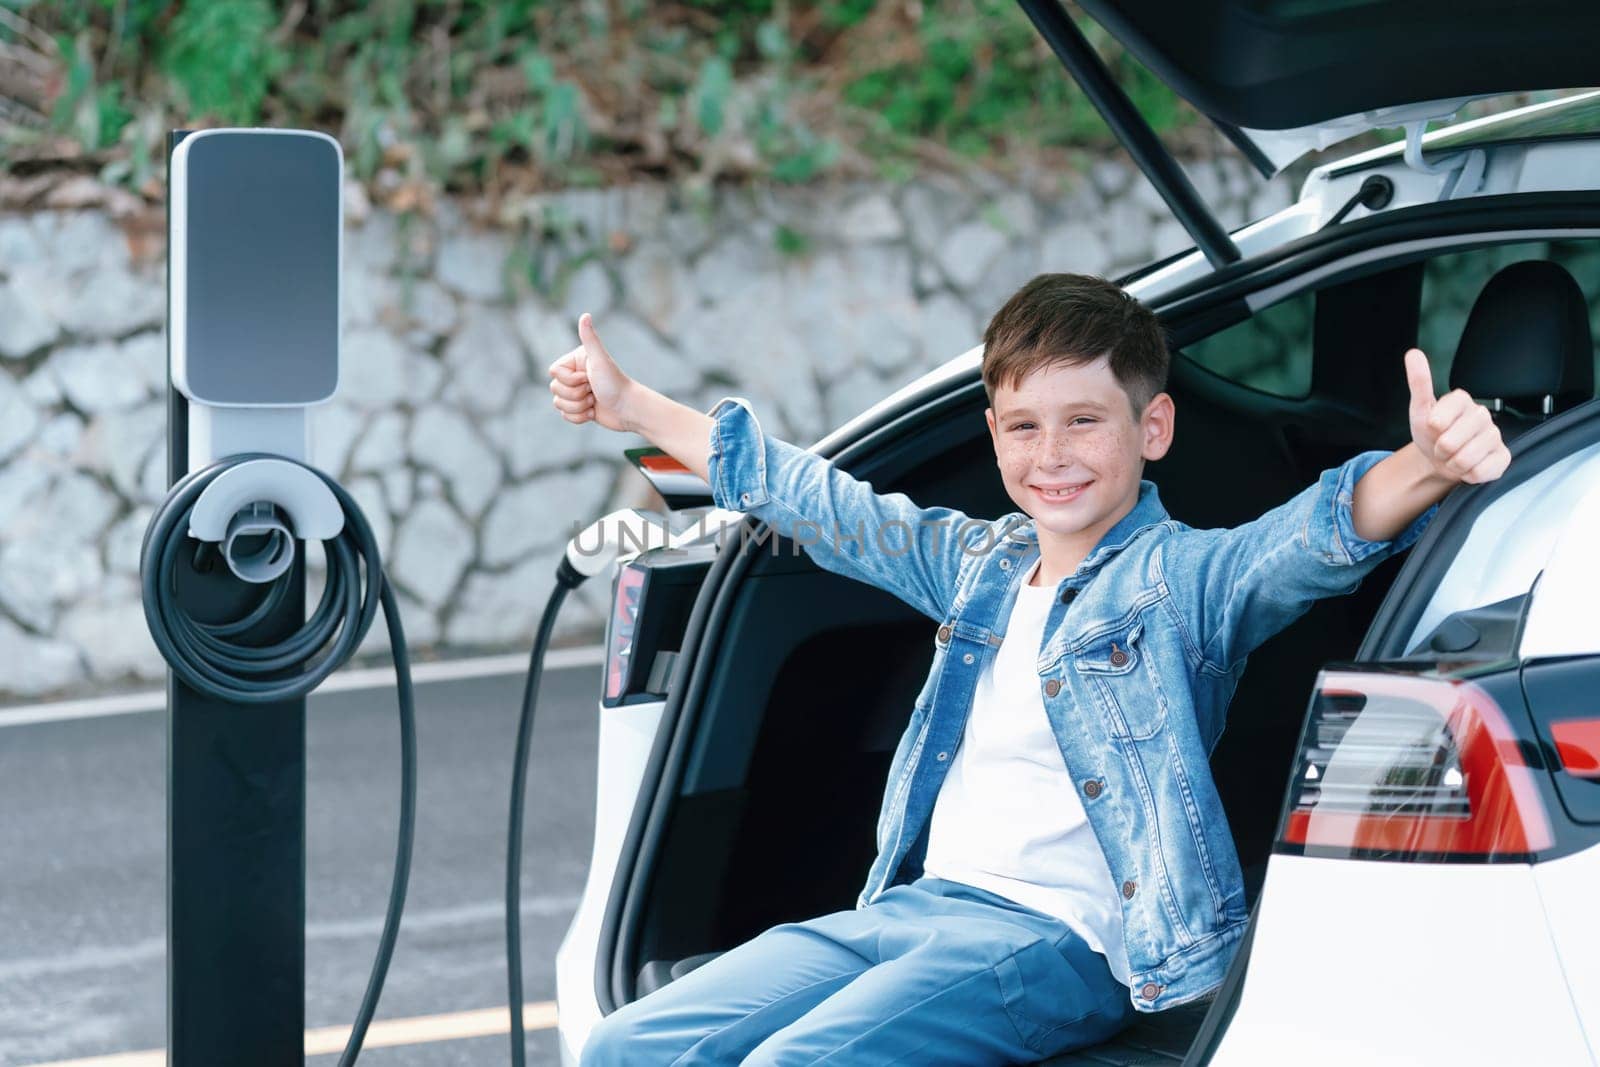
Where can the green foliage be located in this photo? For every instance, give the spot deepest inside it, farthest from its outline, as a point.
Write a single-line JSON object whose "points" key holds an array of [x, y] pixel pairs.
{"points": [[220, 57], [790, 242], [981, 78], [561, 131], [548, 126], [711, 94], [91, 111], [452, 95]]}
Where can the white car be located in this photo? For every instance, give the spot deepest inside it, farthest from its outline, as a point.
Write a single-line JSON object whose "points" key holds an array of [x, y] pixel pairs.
{"points": [[1411, 772]]}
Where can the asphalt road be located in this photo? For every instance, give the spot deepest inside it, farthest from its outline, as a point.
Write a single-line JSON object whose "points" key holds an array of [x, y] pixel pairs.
{"points": [[82, 867]]}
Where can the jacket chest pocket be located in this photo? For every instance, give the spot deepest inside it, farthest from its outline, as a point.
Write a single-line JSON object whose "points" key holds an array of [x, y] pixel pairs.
{"points": [[966, 644], [1118, 666]]}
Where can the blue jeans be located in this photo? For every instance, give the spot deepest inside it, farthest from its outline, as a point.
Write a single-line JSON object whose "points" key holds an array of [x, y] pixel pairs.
{"points": [[932, 972]]}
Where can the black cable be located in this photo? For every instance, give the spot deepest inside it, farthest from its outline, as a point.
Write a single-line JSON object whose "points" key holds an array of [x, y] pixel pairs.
{"points": [[567, 578], [1375, 193], [408, 819], [204, 657]]}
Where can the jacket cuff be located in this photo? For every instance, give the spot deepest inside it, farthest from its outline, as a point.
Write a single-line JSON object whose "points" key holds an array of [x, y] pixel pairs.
{"points": [[736, 464], [1351, 546]]}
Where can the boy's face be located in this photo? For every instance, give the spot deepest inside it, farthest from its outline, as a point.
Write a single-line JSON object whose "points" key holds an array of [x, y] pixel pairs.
{"points": [[1073, 425]]}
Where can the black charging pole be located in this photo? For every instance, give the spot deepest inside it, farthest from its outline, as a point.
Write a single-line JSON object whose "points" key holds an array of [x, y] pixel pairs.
{"points": [[236, 817]]}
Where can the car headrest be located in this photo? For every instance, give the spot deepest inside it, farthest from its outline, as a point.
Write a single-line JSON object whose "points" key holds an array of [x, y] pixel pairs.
{"points": [[1526, 337]]}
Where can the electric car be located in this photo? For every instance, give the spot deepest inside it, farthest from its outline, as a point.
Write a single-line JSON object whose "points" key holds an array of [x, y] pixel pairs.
{"points": [[1411, 771]]}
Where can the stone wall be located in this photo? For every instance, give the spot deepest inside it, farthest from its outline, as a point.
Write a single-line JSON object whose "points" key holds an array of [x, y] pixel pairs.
{"points": [[812, 301]]}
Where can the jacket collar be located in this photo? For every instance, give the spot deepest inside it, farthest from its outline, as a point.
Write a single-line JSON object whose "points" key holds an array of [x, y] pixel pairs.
{"points": [[1147, 511]]}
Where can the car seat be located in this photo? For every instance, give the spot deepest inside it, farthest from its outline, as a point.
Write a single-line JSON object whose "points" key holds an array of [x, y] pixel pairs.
{"points": [[1526, 350]]}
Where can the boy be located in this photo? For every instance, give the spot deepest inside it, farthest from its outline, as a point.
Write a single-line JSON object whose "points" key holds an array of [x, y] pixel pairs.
{"points": [[1053, 783]]}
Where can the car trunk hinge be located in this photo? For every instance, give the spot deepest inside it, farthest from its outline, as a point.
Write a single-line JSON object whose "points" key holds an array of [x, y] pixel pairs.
{"points": [[1130, 127], [1465, 169]]}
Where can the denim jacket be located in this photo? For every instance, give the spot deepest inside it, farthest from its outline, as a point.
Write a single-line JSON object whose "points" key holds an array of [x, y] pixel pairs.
{"points": [[1141, 653]]}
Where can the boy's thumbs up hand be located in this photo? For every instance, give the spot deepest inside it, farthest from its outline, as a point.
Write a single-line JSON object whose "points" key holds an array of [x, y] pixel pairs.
{"points": [[587, 385], [1455, 433]]}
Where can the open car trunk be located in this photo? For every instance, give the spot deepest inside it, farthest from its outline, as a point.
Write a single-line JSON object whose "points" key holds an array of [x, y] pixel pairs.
{"points": [[815, 676], [1282, 78]]}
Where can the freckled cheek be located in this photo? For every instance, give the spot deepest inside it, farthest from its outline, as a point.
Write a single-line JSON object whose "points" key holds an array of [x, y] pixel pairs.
{"points": [[1019, 460], [1098, 452], [1104, 449]]}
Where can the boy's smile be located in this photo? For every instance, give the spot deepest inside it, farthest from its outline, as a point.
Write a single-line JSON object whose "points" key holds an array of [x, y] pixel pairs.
{"points": [[1071, 455]]}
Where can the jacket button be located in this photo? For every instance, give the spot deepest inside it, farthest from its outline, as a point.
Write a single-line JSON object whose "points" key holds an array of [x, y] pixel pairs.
{"points": [[943, 756], [1068, 595], [1052, 687], [944, 635], [1118, 657], [1127, 890], [1150, 991], [1091, 788]]}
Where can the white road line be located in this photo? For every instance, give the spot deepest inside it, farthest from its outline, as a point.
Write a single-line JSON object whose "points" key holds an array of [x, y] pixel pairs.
{"points": [[342, 681], [383, 1033]]}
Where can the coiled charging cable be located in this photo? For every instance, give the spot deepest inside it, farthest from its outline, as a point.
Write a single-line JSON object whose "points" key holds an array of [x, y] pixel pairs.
{"points": [[209, 660]]}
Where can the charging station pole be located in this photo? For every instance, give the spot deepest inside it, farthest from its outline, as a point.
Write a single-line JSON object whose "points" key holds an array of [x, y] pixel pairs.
{"points": [[236, 798]]}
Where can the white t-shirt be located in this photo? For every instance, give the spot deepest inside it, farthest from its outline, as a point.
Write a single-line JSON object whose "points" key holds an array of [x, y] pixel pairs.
{"points": [[1008, 818]]}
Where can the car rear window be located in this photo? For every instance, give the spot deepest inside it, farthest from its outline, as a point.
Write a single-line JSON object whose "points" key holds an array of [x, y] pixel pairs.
{"points": [[1272, 351], [1576, 116], [1269, 351], [1451, 283]]}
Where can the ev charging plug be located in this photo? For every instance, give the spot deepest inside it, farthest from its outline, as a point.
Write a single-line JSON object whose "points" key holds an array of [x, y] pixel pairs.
{"points": [[624, 532]]}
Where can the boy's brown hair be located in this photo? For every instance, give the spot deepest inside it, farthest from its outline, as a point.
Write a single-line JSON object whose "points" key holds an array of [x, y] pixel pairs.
{"points": [[1074, 319]]}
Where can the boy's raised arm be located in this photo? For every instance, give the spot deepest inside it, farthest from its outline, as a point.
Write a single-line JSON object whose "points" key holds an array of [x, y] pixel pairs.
{"points": [[586, 385], [677, 429], [1453, 439], [883, 539], [1255, 579]]}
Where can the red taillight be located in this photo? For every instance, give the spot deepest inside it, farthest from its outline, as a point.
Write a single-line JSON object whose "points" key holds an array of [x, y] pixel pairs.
{"points": [[663, 463], [620, 627], [1399, 767], [1578, 746]]}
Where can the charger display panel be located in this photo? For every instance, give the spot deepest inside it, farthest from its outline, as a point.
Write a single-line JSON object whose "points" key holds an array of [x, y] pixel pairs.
{"points": [[255, 267]]}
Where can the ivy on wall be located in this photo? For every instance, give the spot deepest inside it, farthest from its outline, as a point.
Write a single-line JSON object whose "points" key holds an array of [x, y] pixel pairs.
{"points": [[452, 96]]}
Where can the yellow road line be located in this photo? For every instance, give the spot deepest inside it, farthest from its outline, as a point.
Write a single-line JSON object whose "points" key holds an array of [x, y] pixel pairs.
{"points": [[385, 1033]]}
